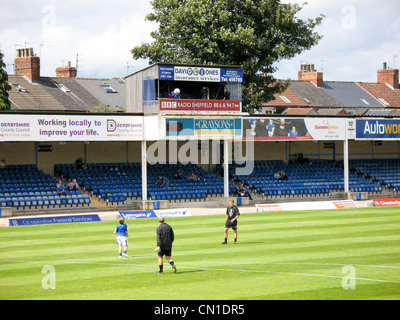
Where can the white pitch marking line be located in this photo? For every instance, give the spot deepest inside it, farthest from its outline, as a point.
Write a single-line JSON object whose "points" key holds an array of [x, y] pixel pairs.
{"points": [[216, 269], [331, 264]]}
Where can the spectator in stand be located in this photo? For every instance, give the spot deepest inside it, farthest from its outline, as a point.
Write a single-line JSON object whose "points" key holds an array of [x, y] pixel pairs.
{"points": [[80, 164], [201, 178], [179, 174], [302, 160], [3, 164], [164, 181], [193, 177], [176, 94], [277, 175], [73, 185], [227, 94], [283, 176], [242, 191], [61, 188]]}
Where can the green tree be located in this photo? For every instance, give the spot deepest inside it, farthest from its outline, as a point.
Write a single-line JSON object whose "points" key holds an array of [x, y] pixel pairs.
{"points": [[252, 33], [4, 86]]}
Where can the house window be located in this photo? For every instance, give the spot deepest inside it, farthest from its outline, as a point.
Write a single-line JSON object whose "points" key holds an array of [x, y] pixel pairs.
{"points": [[365, 101], [108, 88], [285, 99], [384, 101], [62, 87]]}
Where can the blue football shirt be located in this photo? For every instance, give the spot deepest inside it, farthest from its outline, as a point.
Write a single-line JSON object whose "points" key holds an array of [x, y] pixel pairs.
{"points": [[121, 230]]}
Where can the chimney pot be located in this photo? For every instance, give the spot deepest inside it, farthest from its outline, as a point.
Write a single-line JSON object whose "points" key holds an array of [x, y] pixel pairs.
{"points": [[389, 76], [26, 63], [308, 73], [66, 72]]}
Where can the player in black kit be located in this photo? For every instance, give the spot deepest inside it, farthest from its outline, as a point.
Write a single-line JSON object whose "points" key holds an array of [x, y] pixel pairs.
{"points": [[232, 214], [165, 237]]}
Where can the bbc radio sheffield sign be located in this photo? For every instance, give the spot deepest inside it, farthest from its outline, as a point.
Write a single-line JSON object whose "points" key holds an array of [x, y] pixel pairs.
{"points": [[378, 129], [70, 128], [200, 74]]}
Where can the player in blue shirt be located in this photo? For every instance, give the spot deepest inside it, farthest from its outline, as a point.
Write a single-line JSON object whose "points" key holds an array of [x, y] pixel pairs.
{"points": [[122, 237], [270, 128], [293, 132]]}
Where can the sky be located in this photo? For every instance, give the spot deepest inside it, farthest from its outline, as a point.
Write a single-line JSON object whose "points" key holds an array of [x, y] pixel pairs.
{"points": [[358, 36]]}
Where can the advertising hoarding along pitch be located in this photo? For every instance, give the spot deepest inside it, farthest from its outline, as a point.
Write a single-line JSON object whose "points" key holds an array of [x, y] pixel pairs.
{"points": [[54, 220], [386, 202], [314, 205], [155, 213]]}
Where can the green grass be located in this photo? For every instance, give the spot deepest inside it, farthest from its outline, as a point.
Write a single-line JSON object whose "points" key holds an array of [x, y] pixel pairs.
{"points": [[285, 255]]}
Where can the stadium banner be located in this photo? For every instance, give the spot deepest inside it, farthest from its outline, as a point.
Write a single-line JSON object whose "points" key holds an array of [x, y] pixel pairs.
{"points": [[54, 220], [377, 129], [35, 127], [386, 202], [199, 105], [204, 127], [154, 213], [298, 206], [200, 74], [293, 129]]}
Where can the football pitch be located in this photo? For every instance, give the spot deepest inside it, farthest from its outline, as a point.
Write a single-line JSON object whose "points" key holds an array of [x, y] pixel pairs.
{"points": [[308, 255]]}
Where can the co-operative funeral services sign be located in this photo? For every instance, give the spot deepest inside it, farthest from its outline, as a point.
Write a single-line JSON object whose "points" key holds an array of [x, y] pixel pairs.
{"points": [[70, 128]]}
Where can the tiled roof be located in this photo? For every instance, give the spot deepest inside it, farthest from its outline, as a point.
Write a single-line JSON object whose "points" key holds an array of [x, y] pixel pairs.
{"points": [[301, 111], [69, 94], [286, 99], [380, 113], [72, 95], [313, 95], [332, 111], [349, 94], [110, 99], [388, 96], [25, 95]]}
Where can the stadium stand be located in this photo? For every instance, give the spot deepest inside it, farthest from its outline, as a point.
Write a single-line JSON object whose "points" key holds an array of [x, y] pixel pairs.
{"points": [[383, 171], [25, 186], [117, 182], [320, 177]]}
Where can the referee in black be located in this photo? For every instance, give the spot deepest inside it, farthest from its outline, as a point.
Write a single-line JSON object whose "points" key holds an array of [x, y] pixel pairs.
{"points": [[165, 237], [232, 214]]}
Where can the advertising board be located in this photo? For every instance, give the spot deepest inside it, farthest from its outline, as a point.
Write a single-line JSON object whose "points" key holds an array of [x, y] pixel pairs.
{"points": [[292, 129], [70, 128]]}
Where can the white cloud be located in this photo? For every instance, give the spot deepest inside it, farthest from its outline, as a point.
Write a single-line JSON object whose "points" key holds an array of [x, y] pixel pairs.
{"points": [[102, 33], [358, 36]]}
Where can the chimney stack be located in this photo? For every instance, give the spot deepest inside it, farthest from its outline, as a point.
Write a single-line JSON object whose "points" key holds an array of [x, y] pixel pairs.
{"points": [[389, 76], [27, 64], [66, 72], [308, 73]]}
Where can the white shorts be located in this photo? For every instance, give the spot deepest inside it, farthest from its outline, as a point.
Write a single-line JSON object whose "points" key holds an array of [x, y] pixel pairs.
{"points": [[122, 241]]}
